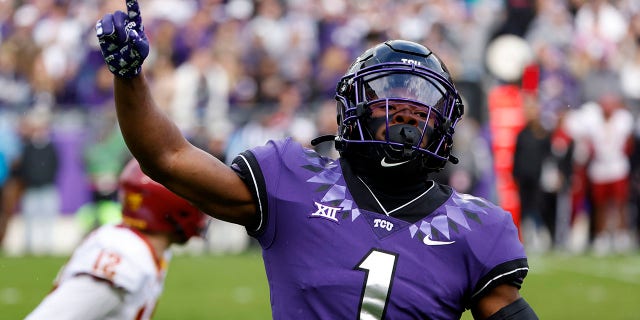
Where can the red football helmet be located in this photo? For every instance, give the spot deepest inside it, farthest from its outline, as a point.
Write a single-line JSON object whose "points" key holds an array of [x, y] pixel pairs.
{"points": [[149, 206]]}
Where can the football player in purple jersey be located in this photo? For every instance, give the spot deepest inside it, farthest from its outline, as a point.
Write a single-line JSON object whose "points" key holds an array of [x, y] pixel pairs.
{"points": [[364, 236]]}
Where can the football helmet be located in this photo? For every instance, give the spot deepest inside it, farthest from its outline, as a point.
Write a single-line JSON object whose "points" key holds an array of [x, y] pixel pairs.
{"points": [[402, 91], [149, 206]]}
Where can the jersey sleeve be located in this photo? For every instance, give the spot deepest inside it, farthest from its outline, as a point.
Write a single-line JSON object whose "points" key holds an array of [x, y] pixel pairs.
{"points": [[248, 169], [499, 255], [271, 172], [80, 297], [261, 169]]}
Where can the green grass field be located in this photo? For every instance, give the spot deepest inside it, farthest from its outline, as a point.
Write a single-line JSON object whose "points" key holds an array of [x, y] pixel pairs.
{"points": [[234, 287]]}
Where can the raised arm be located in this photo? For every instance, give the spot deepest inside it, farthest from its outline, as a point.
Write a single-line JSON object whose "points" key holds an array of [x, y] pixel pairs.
{"points": [[153, 138]]}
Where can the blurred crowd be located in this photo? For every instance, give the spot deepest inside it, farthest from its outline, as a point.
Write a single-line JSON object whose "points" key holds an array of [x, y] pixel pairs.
{"points": [[235, 73]]}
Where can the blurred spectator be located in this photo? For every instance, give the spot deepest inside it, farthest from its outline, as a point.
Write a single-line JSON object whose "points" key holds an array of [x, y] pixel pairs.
{"points": [[607, 128], [557, 87], [609, 172], [630, 65], [59, 35], [581, 215], [558, 182], [635, 184], [105, 154], [10, 187], [326, 124], [599, 28], [518, 15], [17, 55], [92, 86], [474, 160], [273, 122], [332, 63], [200, 101], [552, 25], [530, 161], [37, 169], [600, 77]]}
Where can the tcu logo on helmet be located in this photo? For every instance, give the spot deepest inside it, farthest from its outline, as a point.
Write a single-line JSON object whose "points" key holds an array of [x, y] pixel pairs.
{"points": [[410, 61]]}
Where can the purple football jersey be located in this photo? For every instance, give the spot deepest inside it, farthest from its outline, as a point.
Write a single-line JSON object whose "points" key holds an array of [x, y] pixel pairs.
{"points": [[327, 258]]}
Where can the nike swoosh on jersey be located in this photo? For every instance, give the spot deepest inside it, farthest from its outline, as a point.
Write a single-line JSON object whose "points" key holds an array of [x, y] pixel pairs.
{"points": [[427, 240], [386, 164]]}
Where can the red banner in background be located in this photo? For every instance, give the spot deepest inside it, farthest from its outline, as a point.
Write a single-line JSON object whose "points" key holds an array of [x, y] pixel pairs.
{"points": [[506, 119]]}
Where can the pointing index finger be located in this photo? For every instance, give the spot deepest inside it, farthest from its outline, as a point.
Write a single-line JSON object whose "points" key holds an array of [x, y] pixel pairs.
{"points": [[133, 11]]}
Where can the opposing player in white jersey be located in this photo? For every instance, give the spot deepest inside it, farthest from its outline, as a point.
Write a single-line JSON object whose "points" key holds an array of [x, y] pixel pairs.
{"points": [[118, 271]]}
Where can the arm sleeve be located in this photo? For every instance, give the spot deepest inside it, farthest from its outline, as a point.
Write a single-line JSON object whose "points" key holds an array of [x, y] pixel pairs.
{"points": [[517, 310], [81, 297]]}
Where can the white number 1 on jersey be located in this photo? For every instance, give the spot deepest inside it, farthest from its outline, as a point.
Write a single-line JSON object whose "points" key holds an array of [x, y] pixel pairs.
{"points": [[379, 268]]}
